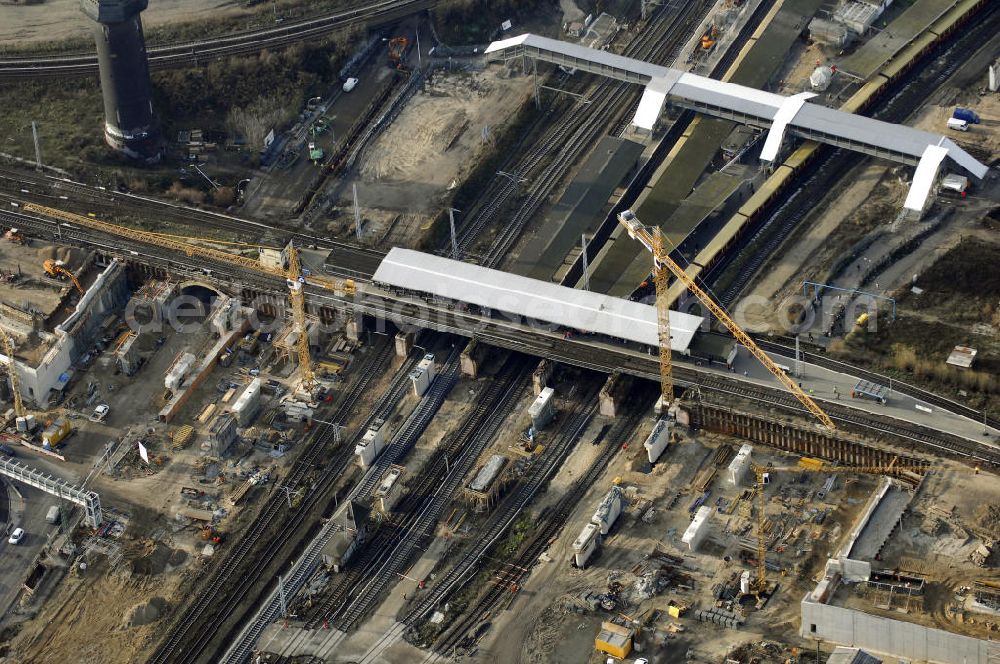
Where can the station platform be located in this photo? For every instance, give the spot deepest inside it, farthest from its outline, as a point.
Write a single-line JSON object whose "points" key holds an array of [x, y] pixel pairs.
{"points": [[580, 209], [908, 25], [824, 385], [621, 267]]}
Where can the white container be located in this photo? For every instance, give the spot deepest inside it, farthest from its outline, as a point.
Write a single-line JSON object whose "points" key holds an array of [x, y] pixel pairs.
{"points": [[371, 445], [609, 510], [247, 404], [745, 582], [421, 381], [427, 364], [739, 466], [696, 532], [175, 376], [542, 409], [585, 544], [658, 440]]}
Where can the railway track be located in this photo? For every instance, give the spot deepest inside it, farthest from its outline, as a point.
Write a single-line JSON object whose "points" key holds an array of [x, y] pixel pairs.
{"points": [[928, 442], [511, 506], [897, 386], [194, 53], [437, 482], [832, 165], [435, 490], [17, 186], [241, 648], [240, 571], [463, 632], [563, 144]]}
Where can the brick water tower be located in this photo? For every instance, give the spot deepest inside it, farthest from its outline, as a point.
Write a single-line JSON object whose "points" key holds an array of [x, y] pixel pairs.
{"points": [[129, 123]]}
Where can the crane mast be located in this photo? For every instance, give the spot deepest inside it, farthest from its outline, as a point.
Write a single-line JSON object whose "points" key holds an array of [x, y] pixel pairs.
{"points": [[298, 301], [661, 276], [292, 274], [654, 242], [8, 348]]}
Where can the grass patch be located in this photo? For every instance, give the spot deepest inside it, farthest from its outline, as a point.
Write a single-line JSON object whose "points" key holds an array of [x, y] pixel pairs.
{"points": [[243, 96], [966, 277]]}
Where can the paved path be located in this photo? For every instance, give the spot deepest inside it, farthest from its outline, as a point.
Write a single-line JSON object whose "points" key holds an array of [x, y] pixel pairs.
{"points": [[831, 386]]}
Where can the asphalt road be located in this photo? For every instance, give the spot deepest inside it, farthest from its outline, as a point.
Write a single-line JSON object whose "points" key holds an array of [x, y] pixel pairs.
{"points": [[17, 558]]}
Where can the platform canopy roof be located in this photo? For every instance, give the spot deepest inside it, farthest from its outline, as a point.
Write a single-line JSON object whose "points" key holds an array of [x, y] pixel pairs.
{"points": [[532, 301], [738, 102]]}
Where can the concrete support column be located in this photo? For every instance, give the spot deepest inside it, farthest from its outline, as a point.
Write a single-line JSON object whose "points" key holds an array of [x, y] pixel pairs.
{"points": [[613, 394], [354, 328], [540, 378], [404, 343], [472, 358]]}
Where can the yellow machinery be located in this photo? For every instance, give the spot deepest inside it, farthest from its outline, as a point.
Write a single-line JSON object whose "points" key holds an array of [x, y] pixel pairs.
{"points": [[20, 412], [292, 274], [654, 241], [807, 465], [57, 268], [298, 300]]}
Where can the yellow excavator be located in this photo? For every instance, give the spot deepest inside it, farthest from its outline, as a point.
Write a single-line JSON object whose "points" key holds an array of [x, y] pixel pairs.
{"points": [[57, 269]]}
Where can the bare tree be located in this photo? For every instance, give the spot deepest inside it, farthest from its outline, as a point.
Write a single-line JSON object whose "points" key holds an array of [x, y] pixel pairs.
{"points": [[257, 119]]}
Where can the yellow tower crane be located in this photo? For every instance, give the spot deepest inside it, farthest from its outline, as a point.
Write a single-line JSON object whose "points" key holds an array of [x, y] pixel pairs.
{"points": [[298, 301], [761, 479], [654, 241], [56, 268], [292, 274], [20, 412]]}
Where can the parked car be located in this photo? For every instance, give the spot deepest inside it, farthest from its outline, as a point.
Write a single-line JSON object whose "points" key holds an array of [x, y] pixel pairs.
{"points": [[100, 412], [16, 536], [350, 84]]}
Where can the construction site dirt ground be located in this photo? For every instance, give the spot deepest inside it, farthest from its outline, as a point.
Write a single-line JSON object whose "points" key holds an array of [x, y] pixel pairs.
{"points": [[433, 143], [161, 553], [51, 20], [29, 285], [547, 621]]}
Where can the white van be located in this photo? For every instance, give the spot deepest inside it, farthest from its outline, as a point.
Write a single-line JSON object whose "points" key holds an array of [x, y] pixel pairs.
{"points": [[350, 84], [958, 125]]}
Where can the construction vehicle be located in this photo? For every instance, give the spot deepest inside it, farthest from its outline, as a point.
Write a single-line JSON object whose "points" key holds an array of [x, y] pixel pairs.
{"points": [[293, 273], [762, 477], [397, 52], [24, 421], [709, 38], [663, 265], [57, 269], [316, 153]]}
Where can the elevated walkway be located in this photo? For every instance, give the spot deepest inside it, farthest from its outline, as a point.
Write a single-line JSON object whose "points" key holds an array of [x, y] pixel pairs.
{"points": [[740, 103], [88, 500]]}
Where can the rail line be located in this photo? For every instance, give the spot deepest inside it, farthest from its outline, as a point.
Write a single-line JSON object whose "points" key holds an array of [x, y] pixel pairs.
{"points": [[497, 524], [557, 350], [436, 488], [193, 631], [881, 379], [352, 260], [305, 567], [550, 523], [193, 53], [564, 143]]}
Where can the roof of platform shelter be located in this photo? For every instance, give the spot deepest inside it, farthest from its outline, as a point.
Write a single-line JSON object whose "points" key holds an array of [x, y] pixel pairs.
{"points": [[532, 299], [811, 120]]}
